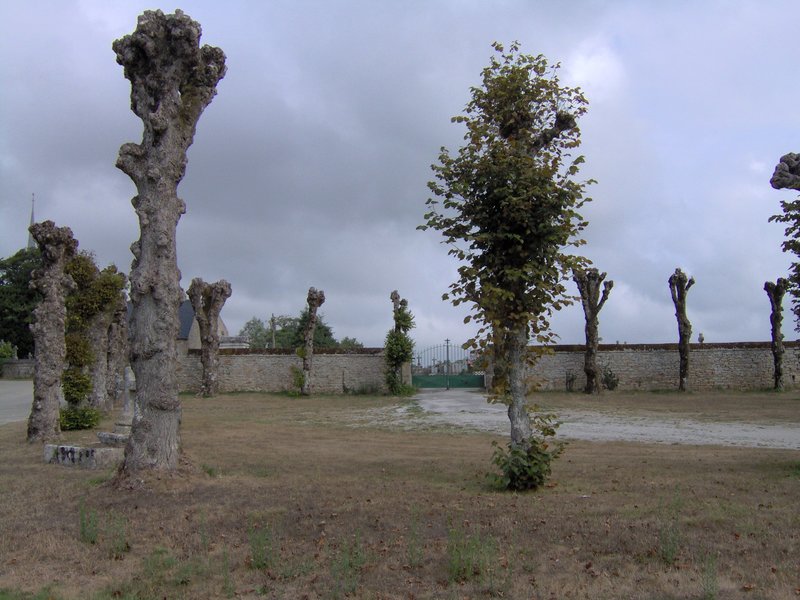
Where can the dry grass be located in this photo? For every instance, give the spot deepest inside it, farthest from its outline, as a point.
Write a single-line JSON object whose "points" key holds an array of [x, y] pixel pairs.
{"points": [[285, 498]]}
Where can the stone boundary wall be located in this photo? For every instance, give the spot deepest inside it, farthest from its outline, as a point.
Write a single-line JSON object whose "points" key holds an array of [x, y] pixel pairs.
{"points": [[17, 368], [334, 371], [735, 365]]}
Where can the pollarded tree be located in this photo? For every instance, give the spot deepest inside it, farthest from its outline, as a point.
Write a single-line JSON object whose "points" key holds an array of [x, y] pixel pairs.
{"points": [[172, 80], [588, 282], [315, 299], [679, 285], [507, 204], [776, 291], [787, 177], [399, 347], [207, 300], [56, 246]]}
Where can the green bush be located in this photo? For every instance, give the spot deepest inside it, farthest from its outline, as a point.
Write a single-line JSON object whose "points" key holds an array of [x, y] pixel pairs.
{"points": [[527, 466], [77, 386], [609, 378], [73, 418]]}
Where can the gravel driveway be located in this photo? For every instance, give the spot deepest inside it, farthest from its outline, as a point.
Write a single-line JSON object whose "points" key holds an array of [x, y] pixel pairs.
{"points": [[468, 408]]}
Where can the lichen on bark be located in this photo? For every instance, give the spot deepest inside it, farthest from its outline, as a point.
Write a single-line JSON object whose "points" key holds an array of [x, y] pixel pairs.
{"points": [[776, 291], [315, 299], [679, 285], [172, 80], [57, 246], [588, 282], [207, 300]]}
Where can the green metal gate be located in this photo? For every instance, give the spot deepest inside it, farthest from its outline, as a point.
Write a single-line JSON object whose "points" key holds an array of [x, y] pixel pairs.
{"points": [[446, 366]]}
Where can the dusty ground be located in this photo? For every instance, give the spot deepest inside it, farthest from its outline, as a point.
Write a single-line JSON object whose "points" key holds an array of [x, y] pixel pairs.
{"points": [[316, 498]]}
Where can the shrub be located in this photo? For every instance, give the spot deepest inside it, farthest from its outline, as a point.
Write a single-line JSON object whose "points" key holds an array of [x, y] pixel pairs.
{"points": [[77, 386], [609, 378], [73, 418], [527, 466]]}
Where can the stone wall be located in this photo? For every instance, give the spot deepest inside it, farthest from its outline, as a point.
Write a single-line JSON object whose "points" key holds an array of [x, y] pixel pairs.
{"points": [[17, 369], [333, 371], [742, 365]]}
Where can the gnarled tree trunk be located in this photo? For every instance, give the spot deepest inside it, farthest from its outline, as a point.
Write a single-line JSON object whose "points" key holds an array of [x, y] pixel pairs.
{"points": [[315, 300], [588, 283], [679, 286], [775, 291], [172, 81], [117, 356], [97, 334], [207, 300], [57, 246]]}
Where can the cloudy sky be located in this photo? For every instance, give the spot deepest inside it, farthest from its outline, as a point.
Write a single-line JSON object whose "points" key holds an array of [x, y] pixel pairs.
{"points": [[310, 166]]}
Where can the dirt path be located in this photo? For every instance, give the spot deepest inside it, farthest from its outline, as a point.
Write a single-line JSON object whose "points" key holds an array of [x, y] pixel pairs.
{"points": [[469, 409]]}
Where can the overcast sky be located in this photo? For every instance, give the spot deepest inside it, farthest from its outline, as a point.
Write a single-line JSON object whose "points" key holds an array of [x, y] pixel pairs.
{"points": [[310, 166]]}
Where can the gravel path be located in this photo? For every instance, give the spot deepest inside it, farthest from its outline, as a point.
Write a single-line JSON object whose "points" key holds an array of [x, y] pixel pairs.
{"points": [[466, 408]]}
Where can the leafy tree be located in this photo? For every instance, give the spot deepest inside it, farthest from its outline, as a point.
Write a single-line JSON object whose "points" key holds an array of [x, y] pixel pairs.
{"points": [[289, 333], [350, 343], [18, 299], [90, 308], [256, 332], [787, 177], [507, 205], [399, 347]]}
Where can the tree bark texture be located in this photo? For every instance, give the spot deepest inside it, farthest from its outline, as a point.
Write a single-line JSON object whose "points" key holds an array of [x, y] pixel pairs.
{"points": [[207, 300], [588, 283], [679, 285], [97, 334], [172, 80], [509, 354], [315, 299], [776, 291], [117, 355], [57, 246], [787, 173]]}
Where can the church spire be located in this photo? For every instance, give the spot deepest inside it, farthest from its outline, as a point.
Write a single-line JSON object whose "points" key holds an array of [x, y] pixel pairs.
{"points": [[31, 243]]}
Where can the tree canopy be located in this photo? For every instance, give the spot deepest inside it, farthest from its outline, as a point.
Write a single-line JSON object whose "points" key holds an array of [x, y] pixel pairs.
{"points": [[507, 203], [289, 333], [18, 299]]}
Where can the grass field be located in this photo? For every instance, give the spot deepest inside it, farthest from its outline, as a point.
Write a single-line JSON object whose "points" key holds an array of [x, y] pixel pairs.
{"points": [[283, 497]]}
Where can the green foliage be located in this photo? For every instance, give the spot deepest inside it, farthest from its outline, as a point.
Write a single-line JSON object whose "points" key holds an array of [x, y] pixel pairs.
{"points": [[262, 551], [790, 215], [6, 350], [18, 299], [670, 538], [507, 204], [527, 466], [350, 343], [346, 567], [289, 333], [79, 351], [469, 557], [73, 418], [77, 386], [88, 527], [609, 378], [298, 378], [398, 350]]}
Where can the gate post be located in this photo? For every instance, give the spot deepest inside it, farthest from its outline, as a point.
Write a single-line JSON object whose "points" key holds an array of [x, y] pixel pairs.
{"points": [[447, 363]]}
